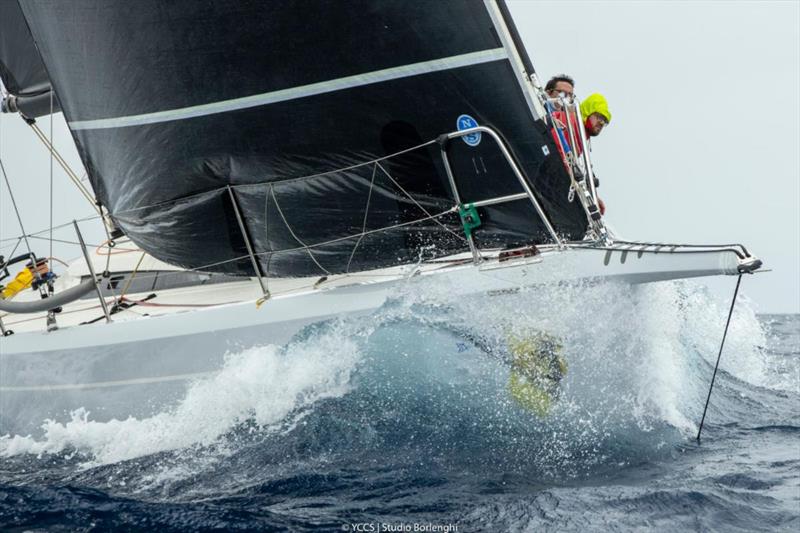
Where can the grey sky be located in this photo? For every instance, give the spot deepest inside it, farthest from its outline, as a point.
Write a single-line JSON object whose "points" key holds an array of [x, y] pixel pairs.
{"points": [[703, 144]]}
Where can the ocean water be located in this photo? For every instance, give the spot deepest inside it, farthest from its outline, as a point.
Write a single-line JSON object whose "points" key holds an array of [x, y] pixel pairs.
{"points": [[403, 421]]}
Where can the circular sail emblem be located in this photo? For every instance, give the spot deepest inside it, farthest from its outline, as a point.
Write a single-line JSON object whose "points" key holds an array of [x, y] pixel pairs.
{"points": [[466, 122]]}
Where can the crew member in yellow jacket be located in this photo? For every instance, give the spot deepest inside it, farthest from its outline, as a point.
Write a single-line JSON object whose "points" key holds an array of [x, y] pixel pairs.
{"points": [[595, 114]]}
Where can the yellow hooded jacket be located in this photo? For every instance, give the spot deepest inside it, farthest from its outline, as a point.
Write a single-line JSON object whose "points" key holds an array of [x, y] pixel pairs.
{"points": [[595, 103]]}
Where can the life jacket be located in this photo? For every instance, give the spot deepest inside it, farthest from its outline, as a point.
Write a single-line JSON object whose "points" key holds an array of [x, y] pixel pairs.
{"points": [[560, 134]]}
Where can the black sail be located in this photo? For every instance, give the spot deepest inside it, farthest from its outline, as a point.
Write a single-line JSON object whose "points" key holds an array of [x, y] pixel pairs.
{"points": [[176, 107], [21, 69]]}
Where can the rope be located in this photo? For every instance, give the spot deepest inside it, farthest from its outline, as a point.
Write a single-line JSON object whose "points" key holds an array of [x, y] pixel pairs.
{"points": [[16, 210], [266, 234], [133, 275], [419, 205], [40, 232], [14, 249], [76, 243], [78, 182], [305, 246], [275, 182], [108, 238], [112, 250], [51, 180], [59, 261], [348, 237], [719, 355], [366, 214]]}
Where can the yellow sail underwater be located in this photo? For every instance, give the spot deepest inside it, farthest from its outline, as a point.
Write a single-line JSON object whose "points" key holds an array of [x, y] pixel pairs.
{"points": [[537, 369]]}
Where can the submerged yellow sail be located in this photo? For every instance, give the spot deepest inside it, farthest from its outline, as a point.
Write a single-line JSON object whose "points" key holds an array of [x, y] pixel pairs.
{"points": [[537, 369]]}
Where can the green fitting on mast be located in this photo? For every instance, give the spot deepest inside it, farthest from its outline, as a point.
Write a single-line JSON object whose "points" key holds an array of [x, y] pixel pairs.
{"points": [[469, 218]]}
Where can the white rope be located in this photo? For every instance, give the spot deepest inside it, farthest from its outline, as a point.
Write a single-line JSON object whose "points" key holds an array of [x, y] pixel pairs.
{"points": [[366, 214], [278, 182], [418, 204], [349, 237], [305, 246]]}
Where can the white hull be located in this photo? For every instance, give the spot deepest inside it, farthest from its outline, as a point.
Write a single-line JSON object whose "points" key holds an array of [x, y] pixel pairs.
{"points": [[136, 365]]}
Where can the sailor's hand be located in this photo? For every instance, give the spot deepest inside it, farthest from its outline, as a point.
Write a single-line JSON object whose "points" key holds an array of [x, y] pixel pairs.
{"points": [[601, 205]]}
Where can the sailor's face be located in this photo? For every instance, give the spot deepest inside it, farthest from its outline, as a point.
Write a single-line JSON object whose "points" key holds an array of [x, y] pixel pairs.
{"points": [[595, 124], [562, 87]]}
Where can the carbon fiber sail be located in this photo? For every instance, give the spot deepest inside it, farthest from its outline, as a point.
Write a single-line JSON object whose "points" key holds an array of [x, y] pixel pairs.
{"points": [[180, 108], [21, 69]]}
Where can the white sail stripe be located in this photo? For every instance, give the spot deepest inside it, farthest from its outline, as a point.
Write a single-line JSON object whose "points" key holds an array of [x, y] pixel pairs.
{"points": [[282, 95], [103, 384]]}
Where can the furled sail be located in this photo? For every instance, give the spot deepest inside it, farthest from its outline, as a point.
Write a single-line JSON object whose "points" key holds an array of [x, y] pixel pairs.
{"points": [[21, 69], [179, 109]]}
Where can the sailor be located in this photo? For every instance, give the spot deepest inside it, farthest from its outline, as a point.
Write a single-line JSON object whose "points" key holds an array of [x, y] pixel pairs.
{"points": [[561, 83], [561, 90], [557, 87], [595, 114]]}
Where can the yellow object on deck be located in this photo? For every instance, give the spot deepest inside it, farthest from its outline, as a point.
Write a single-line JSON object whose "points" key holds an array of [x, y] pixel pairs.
{"points": [[21, 282]]}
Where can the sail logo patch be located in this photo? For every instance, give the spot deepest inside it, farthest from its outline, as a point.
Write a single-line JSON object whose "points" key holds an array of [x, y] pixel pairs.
{"points": [[466, 122]]}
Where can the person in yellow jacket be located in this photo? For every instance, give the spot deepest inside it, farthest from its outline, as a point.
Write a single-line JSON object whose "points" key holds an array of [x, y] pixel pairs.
{"points": [[595, 114]]}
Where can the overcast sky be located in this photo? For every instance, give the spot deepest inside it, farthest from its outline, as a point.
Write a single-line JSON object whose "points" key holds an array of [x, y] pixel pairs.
{"points": [[703, 144]]}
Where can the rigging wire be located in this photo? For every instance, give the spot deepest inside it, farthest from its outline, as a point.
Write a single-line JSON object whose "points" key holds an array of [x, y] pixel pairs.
{"points": [[14, 249], [16, 211], [457, 235], [78, 182], [130, 278], [719, 356], [366, 214], [289, 227], [50, 266], [36, 234]]}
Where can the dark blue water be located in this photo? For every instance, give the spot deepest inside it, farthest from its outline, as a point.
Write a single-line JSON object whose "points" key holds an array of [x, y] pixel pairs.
{"points": [[403, 422]]}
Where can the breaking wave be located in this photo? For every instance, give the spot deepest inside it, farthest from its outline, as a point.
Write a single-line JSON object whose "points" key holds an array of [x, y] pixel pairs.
{"points": [[425, 381]]}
